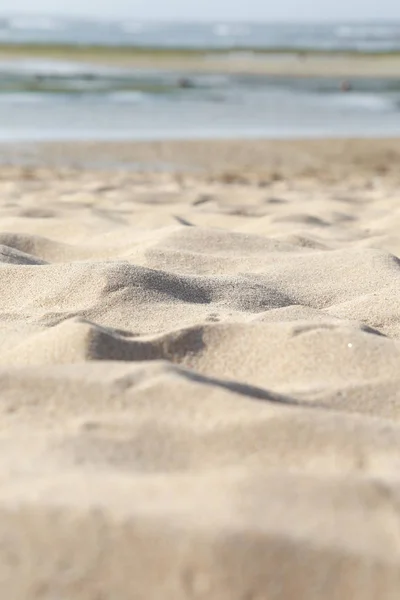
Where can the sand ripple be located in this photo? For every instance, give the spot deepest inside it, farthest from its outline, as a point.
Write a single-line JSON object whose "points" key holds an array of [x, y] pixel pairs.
{"points": [[199, 396]]}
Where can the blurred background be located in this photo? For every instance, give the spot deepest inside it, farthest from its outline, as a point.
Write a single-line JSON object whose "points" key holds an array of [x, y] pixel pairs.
{"points": [[166, 70]]}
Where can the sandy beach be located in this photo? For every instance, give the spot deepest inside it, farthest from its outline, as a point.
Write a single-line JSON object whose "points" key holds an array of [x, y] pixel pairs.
{"points": [[239, 61], [200, 370]]}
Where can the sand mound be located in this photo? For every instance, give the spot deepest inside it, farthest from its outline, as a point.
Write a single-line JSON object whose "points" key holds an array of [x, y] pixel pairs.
{"points": [[200, 389]]}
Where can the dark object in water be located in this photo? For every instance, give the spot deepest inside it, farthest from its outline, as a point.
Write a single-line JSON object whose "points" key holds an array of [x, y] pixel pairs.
{"points": [[345, 86], [185, 83]]}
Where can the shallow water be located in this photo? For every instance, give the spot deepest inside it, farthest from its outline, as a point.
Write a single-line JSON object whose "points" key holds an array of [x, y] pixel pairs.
{"points": [[48, 99]]}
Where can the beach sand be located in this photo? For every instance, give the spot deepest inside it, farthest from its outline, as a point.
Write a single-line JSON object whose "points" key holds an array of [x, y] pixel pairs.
{"points": [[274, 63], [199, 371]]}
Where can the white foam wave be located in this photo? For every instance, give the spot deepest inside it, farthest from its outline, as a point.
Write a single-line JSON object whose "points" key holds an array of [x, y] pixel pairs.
{"points": [[368, 32], [35, 23], [225, 30], [127, 97], [55, 67], [370, 102]]}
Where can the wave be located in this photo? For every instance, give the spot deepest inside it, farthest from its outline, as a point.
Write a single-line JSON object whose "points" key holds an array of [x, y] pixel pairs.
{"points": [[35, 23], [369, 102], [206, 36], [127, 97], [368, 32], [225, 30], [57, 67]]}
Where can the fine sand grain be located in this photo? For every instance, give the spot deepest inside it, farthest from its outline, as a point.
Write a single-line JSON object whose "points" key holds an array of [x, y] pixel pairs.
{"points": [[200, 372]]}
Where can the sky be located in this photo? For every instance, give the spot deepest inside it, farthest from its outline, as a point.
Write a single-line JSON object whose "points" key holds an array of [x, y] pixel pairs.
{"points": [[244, 10]]}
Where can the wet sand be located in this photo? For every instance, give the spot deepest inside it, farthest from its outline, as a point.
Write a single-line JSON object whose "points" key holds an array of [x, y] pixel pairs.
{"points": [[286, 64]]}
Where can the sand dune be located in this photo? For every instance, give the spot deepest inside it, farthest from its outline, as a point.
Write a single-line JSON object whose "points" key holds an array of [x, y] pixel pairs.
{"points": [[200, 384]]}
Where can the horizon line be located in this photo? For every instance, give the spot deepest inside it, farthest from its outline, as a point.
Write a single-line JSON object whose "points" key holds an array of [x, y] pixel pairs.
{"points": [[199, 20]]}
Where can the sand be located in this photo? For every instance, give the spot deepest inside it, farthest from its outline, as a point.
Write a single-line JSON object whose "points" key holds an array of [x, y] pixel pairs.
{"points": [[279, 64], [200, 372]]}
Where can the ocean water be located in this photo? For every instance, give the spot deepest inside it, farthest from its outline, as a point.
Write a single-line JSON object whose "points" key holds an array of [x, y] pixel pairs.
{"points": [[44, 99], [366, 37]]}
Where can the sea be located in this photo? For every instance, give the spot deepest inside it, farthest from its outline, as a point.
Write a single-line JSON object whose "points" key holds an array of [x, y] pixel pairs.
{"points": [[43, 99]]}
